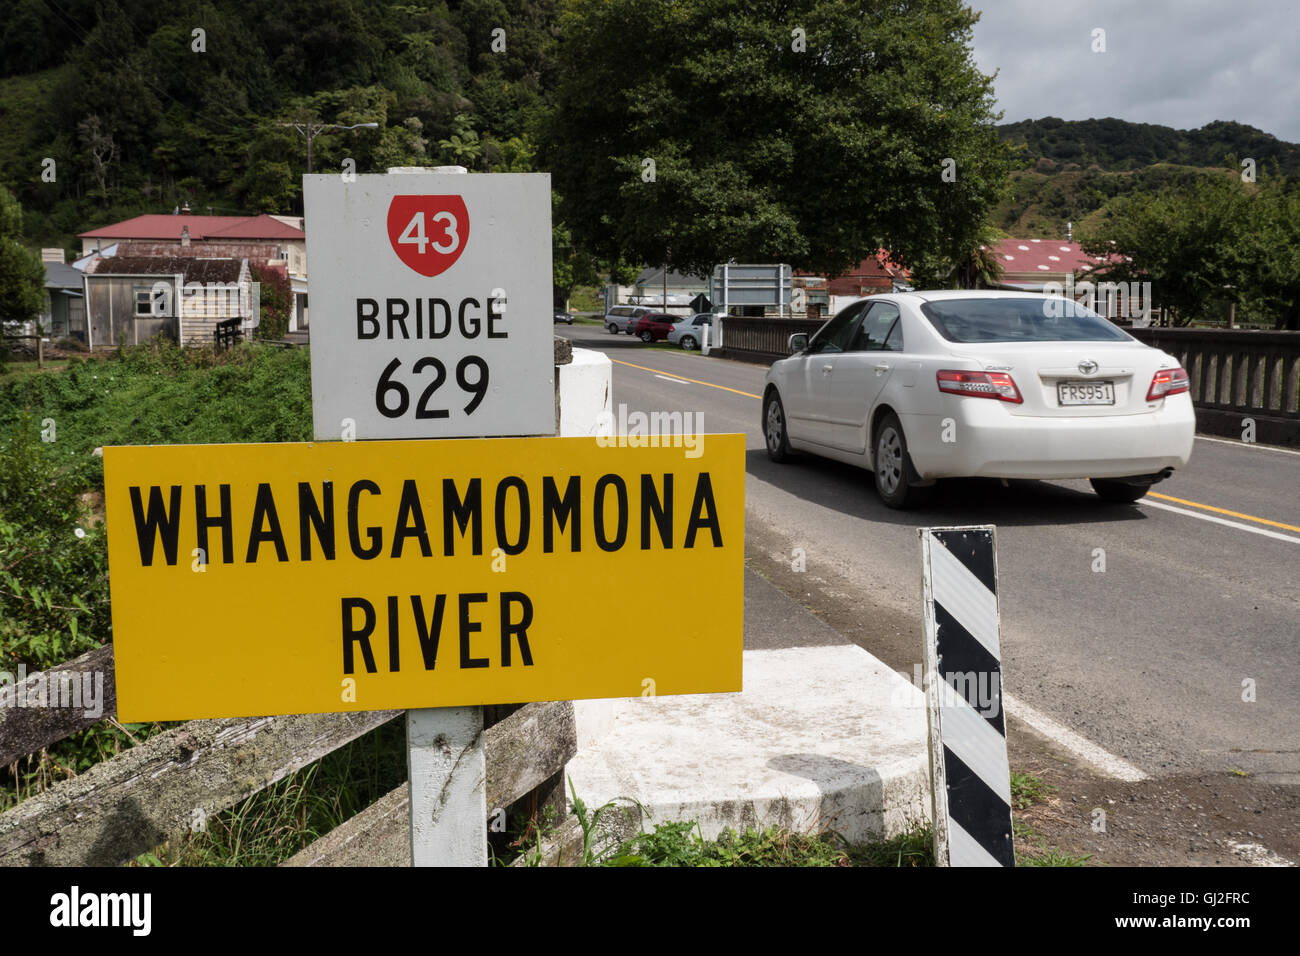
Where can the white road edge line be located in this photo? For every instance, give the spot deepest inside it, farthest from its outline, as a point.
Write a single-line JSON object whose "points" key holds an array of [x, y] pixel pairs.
{"points": [[1103, 760], [669, 378], [1247, 444], [1231, 524]]}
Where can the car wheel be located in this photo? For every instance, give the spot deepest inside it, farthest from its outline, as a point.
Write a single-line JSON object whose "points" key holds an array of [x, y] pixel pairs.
{"points": [[1118, 491], [892, 465], [613, 329], [647, 337], [774, 430], [688, 343]]}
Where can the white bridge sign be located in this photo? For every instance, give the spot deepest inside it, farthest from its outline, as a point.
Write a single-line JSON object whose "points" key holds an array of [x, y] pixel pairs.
{"points": [[431, 296]]}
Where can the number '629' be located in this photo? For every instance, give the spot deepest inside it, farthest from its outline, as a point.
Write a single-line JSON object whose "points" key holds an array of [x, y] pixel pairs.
{"points": [[393, 399]]}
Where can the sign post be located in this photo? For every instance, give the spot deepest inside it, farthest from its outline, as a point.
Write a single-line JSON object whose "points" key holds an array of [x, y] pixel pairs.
{"points": [[428, 225], [447, 767], [971, 780]]}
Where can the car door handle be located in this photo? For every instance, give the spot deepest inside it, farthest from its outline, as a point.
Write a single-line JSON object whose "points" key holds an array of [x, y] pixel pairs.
{"points": [[882, 367], [826, 369]]}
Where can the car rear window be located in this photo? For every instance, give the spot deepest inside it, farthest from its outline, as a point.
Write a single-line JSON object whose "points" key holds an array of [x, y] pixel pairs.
{"points": [[1049, 319]]}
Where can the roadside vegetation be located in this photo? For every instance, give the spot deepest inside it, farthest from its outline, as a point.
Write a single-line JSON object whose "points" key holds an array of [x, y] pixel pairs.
{"points": [[273, 824], [681, 843], [1032, 848], [54, 601]]}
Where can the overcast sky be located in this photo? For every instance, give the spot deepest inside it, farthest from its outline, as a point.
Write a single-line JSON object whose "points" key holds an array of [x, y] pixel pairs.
{"points": [[1179, 63]]}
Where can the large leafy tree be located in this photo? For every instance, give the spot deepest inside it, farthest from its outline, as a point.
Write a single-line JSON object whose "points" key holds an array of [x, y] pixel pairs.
{"points": [[1200, 244], [22, 277], [812, 132]]}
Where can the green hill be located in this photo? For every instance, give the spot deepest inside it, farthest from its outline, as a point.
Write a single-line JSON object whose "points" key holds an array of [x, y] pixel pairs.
{"points": [[1118, 145], [1073, 170]]}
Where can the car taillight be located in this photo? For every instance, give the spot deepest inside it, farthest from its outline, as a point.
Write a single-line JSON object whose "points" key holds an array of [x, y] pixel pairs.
{"points": [[1168, 381], [997, 385]]}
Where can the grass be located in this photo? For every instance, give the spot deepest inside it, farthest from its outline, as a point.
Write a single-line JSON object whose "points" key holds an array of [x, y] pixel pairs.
{"points": [[161, 394], [1031, 846], [1026, 790], [274, 824], [1032, 849], [14, 369], [586, 299], [681, 844], [155, 394]]}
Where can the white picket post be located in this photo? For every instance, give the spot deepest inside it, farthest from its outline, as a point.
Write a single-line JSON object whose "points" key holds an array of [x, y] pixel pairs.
{"points": [[448, 773]]}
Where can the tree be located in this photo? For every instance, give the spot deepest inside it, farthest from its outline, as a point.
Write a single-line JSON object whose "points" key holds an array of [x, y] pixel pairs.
{"points": [[276, 301], [572, 265], [22, 276], [813, 132], [1204, 243]]}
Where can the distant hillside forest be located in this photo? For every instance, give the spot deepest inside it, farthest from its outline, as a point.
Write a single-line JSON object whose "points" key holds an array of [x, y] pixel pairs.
{"points": [[1118, 145], [111, 108], [1072, 170], [143, 106]]}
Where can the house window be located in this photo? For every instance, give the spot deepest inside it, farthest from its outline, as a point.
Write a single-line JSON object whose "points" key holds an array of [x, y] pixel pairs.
{"points": [[153, 301]]}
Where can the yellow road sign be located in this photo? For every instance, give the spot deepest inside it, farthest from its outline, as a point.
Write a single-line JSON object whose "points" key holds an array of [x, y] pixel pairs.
{"points": [[343, 576]]}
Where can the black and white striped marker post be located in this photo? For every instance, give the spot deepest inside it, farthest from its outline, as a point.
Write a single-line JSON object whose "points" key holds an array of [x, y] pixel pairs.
{"points": [[963, 689]]}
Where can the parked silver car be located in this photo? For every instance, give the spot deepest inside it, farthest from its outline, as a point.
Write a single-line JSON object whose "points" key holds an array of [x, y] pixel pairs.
{"points": [[623, 318], [688, 333]]}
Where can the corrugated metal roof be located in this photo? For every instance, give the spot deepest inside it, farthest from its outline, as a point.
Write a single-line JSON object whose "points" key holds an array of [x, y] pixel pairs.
{"points": [[1049, 256], [59, 275], [194, 270], [167, 226]]}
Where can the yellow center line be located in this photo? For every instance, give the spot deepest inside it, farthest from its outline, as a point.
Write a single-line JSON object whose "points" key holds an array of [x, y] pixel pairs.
{"points": [[1224, 511], [694, 381]]}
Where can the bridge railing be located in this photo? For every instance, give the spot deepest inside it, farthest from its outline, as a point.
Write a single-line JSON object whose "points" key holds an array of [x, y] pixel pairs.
{"points": [[1241, 380]]}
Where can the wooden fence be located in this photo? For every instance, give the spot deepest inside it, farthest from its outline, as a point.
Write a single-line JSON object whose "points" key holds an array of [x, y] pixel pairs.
{"points": [[161, 788], [227, 333]]}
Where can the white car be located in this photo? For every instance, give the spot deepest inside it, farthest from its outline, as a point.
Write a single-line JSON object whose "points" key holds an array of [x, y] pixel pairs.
{"points": [[687, 333], [919, 386]]}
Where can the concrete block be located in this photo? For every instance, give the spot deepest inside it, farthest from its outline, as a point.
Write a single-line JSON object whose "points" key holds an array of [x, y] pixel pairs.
{"points": [[822, 738]]}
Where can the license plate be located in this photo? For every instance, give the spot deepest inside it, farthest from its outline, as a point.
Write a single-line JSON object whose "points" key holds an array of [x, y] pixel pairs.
{"points": [[1085, 393]]}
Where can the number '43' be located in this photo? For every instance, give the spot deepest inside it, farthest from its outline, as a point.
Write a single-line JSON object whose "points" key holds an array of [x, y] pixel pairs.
{"points": [[414, 233]]}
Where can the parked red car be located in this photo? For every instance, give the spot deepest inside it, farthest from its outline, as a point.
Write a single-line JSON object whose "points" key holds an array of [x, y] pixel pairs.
{"points": [[655, 326]]}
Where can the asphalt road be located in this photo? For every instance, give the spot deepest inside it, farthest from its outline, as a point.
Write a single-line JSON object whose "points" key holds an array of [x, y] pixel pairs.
{"points": [[1146, 658]]}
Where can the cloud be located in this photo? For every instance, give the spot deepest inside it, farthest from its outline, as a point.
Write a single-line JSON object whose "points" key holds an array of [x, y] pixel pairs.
{"points": [[1180, 63]]}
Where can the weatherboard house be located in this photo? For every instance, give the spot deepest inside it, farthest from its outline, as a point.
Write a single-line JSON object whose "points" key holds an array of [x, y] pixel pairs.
{"points": [[275, 241], [130, 299]]}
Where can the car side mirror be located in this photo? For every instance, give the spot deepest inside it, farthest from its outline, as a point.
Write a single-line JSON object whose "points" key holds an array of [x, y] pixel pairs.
{"points": [[798, 342]]}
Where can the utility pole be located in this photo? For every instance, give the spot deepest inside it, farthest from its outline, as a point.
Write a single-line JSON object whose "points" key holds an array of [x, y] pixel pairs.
{"points": [[310, 130]]}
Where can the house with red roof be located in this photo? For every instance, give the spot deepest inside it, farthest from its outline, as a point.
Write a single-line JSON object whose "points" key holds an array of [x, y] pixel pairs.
{"points": [[871, 276], [1029, 265], [265, 240]]}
